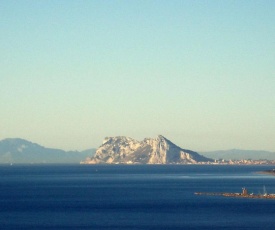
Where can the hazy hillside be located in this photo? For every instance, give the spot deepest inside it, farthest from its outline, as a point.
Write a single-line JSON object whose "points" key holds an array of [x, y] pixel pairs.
{"points": [[16, 150], [238, 154]]}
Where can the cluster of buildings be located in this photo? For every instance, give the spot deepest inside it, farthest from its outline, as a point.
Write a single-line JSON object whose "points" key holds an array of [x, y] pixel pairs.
{"points": [[243, 162], [238, 162]]}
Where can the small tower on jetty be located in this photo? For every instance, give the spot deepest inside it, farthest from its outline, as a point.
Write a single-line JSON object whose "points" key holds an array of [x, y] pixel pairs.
{"points": [[244, 193]]}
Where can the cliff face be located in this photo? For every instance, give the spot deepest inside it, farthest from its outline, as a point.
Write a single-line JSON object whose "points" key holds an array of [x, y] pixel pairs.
{"points": [[125, 150]]}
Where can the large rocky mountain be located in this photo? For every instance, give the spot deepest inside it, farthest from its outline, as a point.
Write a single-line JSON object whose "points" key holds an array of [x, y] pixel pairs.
{"points": [[125, 150], [16, 150]]}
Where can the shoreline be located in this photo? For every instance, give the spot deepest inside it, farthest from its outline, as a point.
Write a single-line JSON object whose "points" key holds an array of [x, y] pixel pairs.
{"points": [[269, 172]]}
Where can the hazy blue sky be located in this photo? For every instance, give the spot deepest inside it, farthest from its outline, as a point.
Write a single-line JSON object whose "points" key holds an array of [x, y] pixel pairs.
{"points": [[201, 73]]}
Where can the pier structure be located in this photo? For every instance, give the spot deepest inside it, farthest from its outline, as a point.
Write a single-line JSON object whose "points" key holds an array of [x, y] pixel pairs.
{"points": [[243, 194]]}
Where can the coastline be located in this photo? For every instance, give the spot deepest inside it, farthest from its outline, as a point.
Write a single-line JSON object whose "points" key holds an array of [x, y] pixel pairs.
{"points": [[269, 172]]}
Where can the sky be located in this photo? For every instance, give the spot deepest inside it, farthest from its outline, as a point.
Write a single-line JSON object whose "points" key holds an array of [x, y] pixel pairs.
{"points": [[200, 73]]}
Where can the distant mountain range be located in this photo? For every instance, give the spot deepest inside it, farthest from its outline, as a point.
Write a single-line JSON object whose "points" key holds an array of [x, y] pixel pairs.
{"points": [[120, 150], [238, 154], [125, 150], [16, 150]]}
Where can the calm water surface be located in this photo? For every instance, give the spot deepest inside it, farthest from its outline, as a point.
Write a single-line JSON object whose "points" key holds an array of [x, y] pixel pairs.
{"points": [[133, 197]]}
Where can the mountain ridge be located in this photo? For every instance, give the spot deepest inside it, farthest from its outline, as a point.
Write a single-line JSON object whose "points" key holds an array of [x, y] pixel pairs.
{"points": [[18, 150], [160, 150]]}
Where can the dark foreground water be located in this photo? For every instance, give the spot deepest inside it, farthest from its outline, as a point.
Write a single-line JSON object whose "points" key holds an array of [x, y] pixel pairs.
{"points": [[133, 197]]}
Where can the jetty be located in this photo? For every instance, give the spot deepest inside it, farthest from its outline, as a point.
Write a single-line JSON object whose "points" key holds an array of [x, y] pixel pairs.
{"points": [[243, 194]]}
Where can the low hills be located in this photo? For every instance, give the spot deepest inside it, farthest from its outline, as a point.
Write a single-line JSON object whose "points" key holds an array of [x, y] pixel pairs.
{"points": [[16, 150], [238, 154]]}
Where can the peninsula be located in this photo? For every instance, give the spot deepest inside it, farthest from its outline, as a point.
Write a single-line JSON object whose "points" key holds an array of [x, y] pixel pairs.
{"points": [[159, 150]]}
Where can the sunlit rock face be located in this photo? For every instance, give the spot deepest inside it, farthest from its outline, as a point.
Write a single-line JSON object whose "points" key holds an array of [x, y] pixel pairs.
{"points": [[125, 150]]}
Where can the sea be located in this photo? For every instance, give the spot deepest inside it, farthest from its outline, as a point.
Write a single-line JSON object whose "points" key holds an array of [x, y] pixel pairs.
{"points": [[133, 197]]}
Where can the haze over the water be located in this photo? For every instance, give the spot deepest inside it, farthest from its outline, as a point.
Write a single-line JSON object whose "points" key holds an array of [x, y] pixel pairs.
{"points": [[201, 73]]}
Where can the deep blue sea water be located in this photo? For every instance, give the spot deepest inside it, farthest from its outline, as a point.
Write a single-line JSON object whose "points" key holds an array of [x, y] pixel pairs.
{"points": [[133, 197]]}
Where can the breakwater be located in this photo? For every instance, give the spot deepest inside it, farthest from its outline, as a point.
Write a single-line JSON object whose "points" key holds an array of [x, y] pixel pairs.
{"points": [[237, 195]]}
